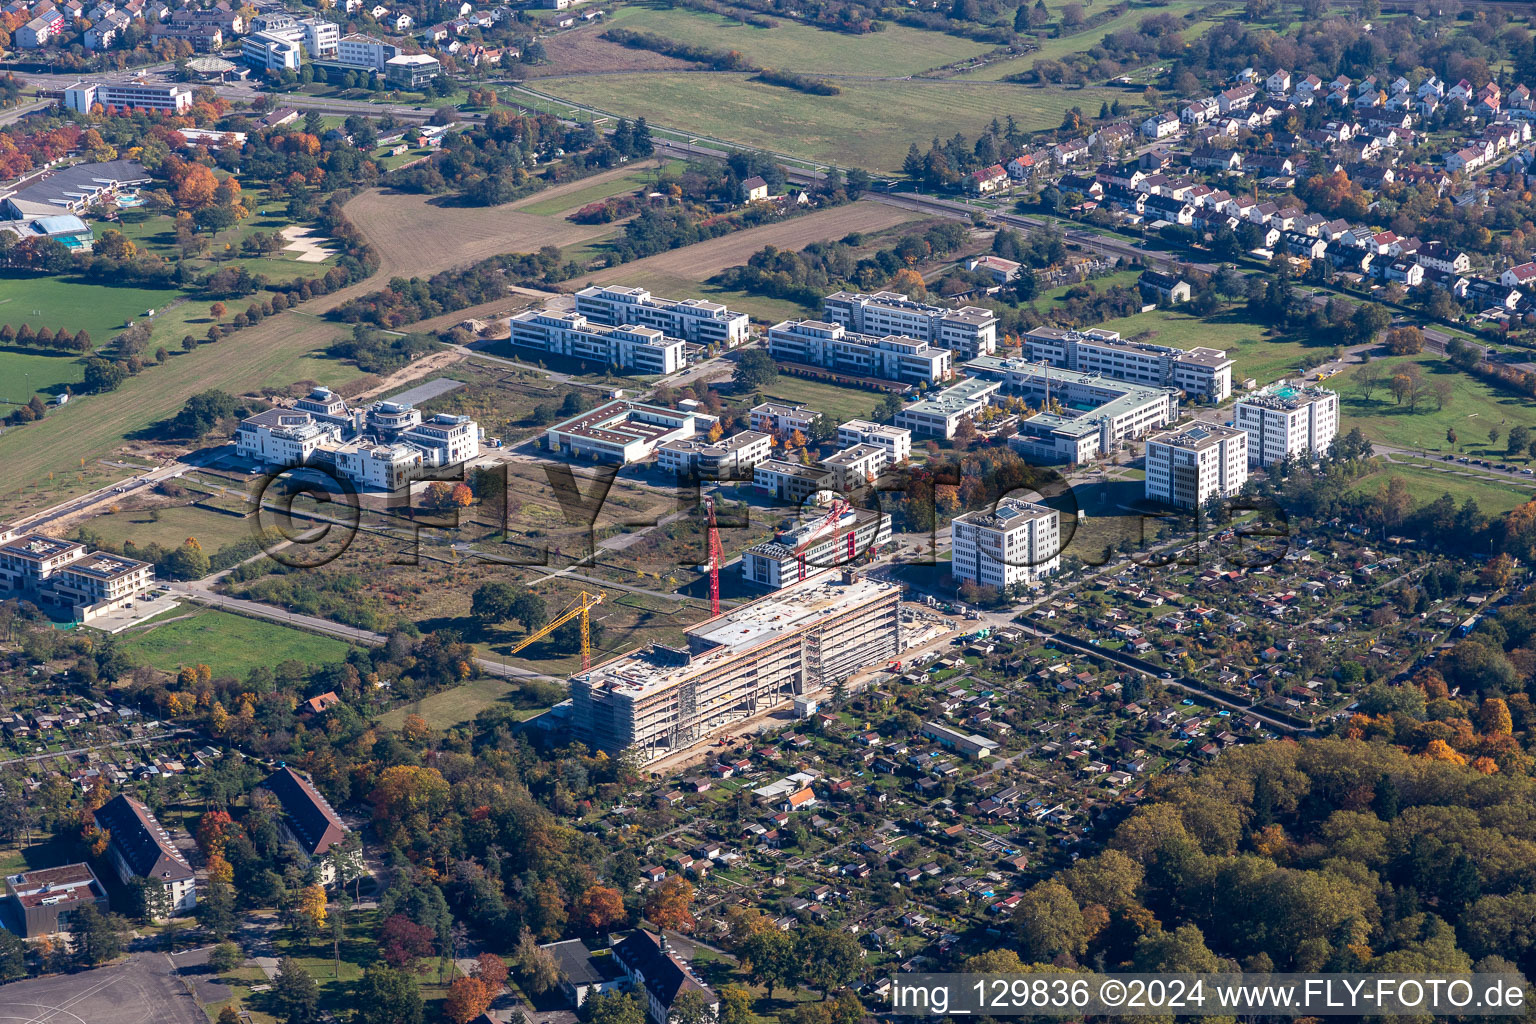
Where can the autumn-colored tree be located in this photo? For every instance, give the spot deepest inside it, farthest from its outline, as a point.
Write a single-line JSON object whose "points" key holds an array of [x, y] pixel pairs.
{"points": [[715, 432], [600, 908], [217, 310], [467, 999], [415, 729], [462, 496], [213, 831], [197, 189], [669, 905], [1495, 718], [312, 905], [406, 789], [1439, 750], [220, 870], [492, 970], [1405, 341], [909, 281], [402, 941]]}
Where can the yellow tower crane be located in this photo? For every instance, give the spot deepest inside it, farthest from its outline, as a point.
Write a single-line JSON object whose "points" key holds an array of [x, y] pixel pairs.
{"points": [[581, 606]]}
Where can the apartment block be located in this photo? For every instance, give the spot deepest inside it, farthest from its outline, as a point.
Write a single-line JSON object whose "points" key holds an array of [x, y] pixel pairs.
{"points": [[823, 542], [1083, 415], [1204, 373], [856, 466], [831, 346], [752, 659], [1187, 468], [140, 848], [790, 481], [777, 418], [1017, 543], [969, 331], [897, 441], [1286, 419], [693, 320], [571, 334], [730, 458], [66, 574], [940, 413], [623, 431]]}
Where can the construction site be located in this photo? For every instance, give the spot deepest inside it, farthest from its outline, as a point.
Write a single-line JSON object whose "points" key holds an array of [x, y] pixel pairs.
{"points": [[748, 661]]}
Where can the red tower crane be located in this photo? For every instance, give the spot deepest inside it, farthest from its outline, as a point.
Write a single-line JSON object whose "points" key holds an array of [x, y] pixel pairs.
{"points": [[714, 558], [838, 508]]}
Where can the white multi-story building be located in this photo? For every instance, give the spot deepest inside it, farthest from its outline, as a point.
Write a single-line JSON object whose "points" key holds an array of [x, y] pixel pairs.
{"points": [[940, 413], [412, 70], [623, 431], [790, 481], [1083, 415], [61, 572], [831, 346], [365, 51], [856, 466], [272, 51], [171, 99], [970, 330], [1187, 468], [730, 458], [897, 441], [1200, 372], [444, 440], [321, 38], [693, 320], [570, 333], [1287, 419], [1017, 543], [777, 418], [384, 447]]}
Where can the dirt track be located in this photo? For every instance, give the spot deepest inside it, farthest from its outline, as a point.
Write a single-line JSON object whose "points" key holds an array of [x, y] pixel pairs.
{"points": [[704, 260]]}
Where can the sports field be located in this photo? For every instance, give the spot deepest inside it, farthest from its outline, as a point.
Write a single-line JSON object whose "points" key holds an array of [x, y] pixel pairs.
{"points": [[869, 125], [55, 302], [228, 644]]}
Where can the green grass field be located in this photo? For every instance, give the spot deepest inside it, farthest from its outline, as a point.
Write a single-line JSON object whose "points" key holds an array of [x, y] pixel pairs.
{"points": [[1472, 409], [1066, 46], [792, 46], [460, 704], [55, 302], [170, 527], [1427, 484], [23, 374], [229, 644], [858, 128], [840, 403], [1253, 352], [639, 178]]}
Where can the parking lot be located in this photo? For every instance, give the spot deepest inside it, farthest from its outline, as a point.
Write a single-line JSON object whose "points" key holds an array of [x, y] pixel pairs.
{"points": [[143, 990]]}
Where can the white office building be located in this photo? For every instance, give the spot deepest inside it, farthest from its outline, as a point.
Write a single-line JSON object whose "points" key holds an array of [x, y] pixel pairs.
{"points": [[1083, 415], [897, 441], [272, 51], [730, 458], [167, 98], [1287, 419], [778, 418], [856, 466], [624, 432], [444, 440], [1189, 467], [1017, 543], [831, 346], [321, 38], [969, 331], [570, 333], [693, 320], [365, 51], [1204, 373], [939, 414]]}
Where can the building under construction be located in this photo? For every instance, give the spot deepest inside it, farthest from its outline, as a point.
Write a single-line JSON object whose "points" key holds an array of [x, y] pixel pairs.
{"points": [[752, 659]]}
